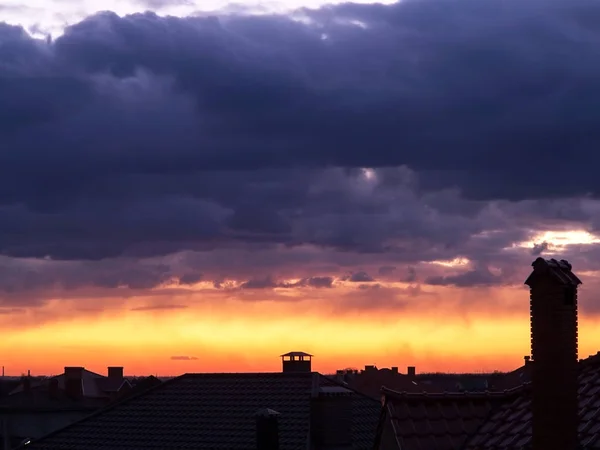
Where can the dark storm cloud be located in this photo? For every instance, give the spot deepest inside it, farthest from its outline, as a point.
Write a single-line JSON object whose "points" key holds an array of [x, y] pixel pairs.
{"points": [[190, 278], [540, 248], [470, 92], [317, 282], [132, 138], [360, 277], [478, 277], [411, 275], [386, 270], [269, 283]]}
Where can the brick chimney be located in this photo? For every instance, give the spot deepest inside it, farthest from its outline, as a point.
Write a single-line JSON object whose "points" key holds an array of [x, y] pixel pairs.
{"points": [[331, 416], [115, 373], [411, 371], [74, 382], [267, 429], [553, 293]]}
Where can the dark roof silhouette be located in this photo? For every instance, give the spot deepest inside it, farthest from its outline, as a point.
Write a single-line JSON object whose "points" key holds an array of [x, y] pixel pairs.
{"points": [[370, 382], [94, 384], [483, 420], [39, 398], [217, 411]]}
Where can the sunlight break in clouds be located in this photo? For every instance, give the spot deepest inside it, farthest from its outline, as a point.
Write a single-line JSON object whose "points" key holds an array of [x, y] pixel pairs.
{"points": [[49, 17], [557, 241]]}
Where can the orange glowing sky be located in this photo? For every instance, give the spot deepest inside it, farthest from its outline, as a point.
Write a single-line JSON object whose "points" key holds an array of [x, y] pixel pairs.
{"points": [[441, 328]]}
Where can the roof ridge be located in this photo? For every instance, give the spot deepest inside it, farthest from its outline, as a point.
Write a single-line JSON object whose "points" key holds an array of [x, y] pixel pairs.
{"points": [[247, 374], [456, 395]]}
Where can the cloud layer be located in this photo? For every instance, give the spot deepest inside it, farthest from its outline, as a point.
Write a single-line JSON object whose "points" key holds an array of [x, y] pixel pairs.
{"points": [[140, 151]]}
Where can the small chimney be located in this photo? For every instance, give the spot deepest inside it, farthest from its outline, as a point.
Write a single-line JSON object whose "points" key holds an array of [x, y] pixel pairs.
{"points": [[394, 370], [411, 371], [74, 381], [267, 429], [331, 417], [555, 412], [115, 373], [296, 362]]}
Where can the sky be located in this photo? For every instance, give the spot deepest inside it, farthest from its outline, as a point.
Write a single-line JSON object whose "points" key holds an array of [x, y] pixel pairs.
{"points": [[201, 187]]}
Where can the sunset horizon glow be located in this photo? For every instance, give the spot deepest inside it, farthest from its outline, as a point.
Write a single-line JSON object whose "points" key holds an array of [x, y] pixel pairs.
{"points": [[236, 336]]}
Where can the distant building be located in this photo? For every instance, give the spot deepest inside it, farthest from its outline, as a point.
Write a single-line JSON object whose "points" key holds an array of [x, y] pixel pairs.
{"points": [[294, 409], [34, 408], [370, 380]]}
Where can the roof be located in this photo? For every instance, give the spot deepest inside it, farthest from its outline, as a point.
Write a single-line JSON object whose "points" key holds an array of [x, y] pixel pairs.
{"points": [[214, 411], [561, 271], [39, 398], [296, 354], [94, 385], [509, 427], [485, 420], [438, 421], [370, 382]]}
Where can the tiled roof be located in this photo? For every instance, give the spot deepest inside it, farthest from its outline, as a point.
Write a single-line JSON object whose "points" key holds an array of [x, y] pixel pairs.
{"points": [[438, 421], [200, 411], [365, 415], [486, 421], [509, 427]]}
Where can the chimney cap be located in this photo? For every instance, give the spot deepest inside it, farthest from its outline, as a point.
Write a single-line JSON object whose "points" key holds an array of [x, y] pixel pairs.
{"points": [[296, 354], [561, 271], [267, 412]]}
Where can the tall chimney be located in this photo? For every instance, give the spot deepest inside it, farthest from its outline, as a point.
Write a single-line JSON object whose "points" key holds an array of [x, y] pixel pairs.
{"points": [[411, 371], [553, 293], [74, 382], [267, 429]]}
